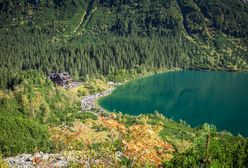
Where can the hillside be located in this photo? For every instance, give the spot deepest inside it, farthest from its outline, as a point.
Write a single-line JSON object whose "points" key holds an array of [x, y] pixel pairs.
{"points": [[98, 41], [36, 116], [103, 37]]}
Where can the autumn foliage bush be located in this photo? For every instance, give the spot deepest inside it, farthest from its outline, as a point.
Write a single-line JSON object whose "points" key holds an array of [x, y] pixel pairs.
{"points": [[106, 136], [141, 143]]}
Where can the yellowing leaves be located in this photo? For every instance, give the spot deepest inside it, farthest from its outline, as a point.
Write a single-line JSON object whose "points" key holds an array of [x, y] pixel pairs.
{"points": [[31, 104], [4, 95], [25, 102], [140, 143], [146, 146], [113, 124], [80, 132], [3, 164]]}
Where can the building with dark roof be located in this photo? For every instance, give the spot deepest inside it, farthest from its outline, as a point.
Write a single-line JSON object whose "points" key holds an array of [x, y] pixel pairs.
{"points": [[61, 79]]}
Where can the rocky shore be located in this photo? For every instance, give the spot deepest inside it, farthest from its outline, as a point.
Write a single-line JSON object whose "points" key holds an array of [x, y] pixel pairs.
{"points": [[89, 102]]}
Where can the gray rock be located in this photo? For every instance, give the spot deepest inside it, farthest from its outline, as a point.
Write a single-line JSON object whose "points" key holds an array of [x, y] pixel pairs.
{"points": [[88, 102], [45, 157], [46, 160]]}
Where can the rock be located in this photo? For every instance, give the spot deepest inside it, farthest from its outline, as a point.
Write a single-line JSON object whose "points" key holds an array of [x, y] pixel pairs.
{"points": [[61, 163], [88, 102], [37, 160], [59, 158], [28, 159], [45, 157], [118, 154]]}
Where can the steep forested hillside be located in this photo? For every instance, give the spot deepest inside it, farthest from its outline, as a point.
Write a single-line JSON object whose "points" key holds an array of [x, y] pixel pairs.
{"points": [[103, 36], [109, 39]]}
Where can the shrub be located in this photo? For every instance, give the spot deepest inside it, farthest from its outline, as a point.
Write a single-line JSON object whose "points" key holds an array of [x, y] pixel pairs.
{"points": [[19, 135], [3, 164], [86, 115]]}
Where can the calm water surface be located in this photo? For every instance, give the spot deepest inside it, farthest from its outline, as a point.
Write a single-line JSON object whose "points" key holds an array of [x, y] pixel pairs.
{"points": [[219, 98]]}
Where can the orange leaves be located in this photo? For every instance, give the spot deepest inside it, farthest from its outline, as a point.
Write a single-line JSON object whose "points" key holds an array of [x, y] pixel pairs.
{"points": [[36, 160], [145, 146], [113, 124], [79, 133], [141, 142]]}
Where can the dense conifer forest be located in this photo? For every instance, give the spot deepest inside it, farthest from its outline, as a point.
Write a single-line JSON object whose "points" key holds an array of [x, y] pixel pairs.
{"points": [[109, 39], [102, 37]]}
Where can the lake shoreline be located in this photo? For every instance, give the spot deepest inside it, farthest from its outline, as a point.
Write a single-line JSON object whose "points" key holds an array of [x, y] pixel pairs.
{"points": [[191, 96], [91, 102]]}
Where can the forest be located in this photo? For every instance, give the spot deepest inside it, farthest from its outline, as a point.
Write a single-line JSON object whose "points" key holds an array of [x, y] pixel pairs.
{"points": [[103, 37], [107, 40]]}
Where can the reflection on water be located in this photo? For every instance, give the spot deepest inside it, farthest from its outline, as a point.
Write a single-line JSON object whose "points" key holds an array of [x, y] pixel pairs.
{"points": [[220, 98]]}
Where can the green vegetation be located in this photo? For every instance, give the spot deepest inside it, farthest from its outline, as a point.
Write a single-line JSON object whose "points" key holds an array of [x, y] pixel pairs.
{"points": [[119, 40], [213, 149], [24, 129], [102, 37], [33, 103], [35, 97], [19, 135], [3, 164]]}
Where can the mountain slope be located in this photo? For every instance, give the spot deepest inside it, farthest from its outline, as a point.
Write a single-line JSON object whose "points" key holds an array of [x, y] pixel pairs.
{"points": [[113, 40], [196, 15], [101, 37]]}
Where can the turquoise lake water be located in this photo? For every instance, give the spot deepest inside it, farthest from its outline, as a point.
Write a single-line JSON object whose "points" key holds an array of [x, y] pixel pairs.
{"points": [[219, 98]]}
